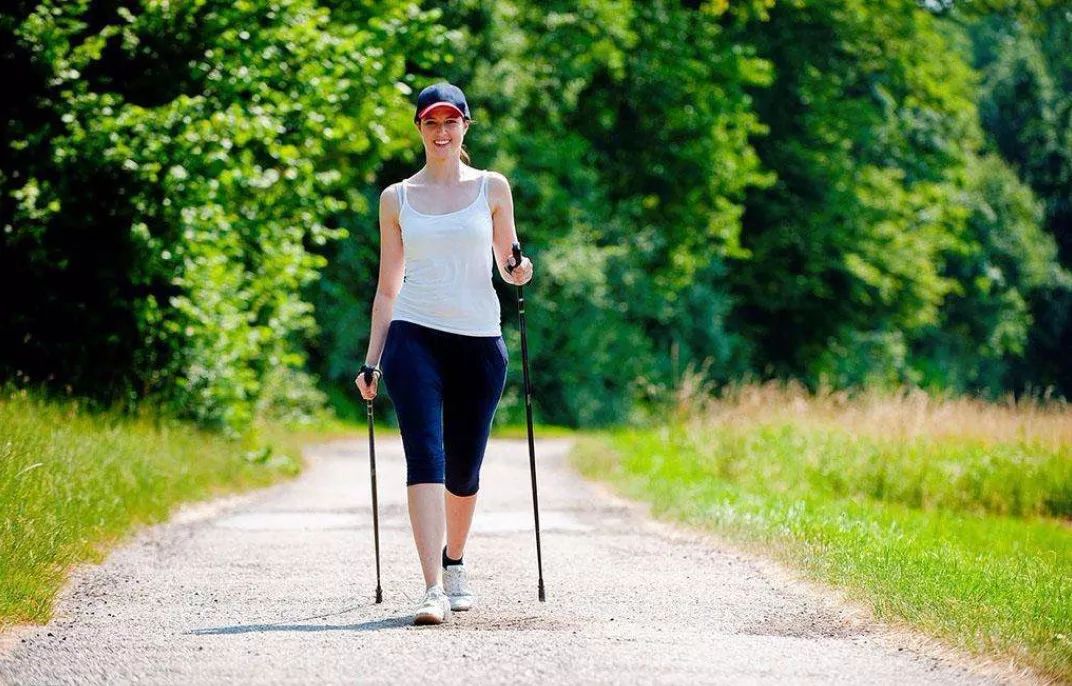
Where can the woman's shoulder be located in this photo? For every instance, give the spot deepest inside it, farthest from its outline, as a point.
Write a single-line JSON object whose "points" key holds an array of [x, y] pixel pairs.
{"points": [[496, 181], [393, 187], [404, 184], [389, 196]]}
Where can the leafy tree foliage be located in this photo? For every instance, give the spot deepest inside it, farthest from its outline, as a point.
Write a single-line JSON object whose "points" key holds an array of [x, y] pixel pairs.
{"points": [[1006, 262], [818, 189], [587, 108], [168, 168], [866, 136], [1026, 108]]}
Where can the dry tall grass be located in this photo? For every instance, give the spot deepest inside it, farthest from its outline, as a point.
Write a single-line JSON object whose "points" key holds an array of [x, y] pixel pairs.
{"points": [[908, 413]]}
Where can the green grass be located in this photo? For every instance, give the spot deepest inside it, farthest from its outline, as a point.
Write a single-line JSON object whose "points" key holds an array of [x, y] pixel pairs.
{"points": [[968, 539], [73, 483]]}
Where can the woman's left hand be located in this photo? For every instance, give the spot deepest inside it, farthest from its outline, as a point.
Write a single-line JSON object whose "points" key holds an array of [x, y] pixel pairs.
{"points": [[520, 275]]}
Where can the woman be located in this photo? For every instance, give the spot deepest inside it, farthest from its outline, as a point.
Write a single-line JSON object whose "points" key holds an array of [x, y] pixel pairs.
{"points": [[435, 332]]}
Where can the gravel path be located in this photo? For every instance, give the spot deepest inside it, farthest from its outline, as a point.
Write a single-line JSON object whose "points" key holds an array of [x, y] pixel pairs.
{"points": [[276, 587]]}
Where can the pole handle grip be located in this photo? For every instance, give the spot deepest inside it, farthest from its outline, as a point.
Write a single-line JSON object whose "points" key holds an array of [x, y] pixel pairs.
{"points": [[367, 371], [515, 249]]}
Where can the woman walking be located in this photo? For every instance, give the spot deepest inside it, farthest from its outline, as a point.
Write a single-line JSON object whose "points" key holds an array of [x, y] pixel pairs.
{"points": [[436, 335]]}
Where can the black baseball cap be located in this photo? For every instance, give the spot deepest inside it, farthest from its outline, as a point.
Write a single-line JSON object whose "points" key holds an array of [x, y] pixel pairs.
{"points": [[440, 95]]}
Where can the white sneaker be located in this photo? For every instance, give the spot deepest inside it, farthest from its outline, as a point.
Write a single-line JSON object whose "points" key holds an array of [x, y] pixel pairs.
{"points": [[435, 607], [456, 584]]}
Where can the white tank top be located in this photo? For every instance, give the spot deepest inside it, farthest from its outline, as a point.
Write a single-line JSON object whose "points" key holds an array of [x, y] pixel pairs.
{"points": [[448, 266]]}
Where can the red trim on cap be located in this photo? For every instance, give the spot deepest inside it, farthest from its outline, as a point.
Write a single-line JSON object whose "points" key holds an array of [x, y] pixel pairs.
{"points": [[434, 105]]}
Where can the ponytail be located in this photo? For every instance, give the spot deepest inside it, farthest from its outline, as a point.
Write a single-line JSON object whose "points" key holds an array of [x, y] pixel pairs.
{"points": [[465, 154]]}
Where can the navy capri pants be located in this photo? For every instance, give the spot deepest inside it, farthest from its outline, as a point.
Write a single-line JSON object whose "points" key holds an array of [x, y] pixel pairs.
{"points": [[445, 388]]}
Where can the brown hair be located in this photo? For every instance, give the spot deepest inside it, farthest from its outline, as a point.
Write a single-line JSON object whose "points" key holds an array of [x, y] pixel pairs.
{"points": [[464, 152]]}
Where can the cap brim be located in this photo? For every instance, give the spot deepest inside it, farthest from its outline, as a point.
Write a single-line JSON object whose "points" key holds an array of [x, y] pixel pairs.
{"points": [[434, 105]]}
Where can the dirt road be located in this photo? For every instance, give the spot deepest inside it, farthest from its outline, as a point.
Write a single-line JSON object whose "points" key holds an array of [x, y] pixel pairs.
{"points": [[276, 587]]}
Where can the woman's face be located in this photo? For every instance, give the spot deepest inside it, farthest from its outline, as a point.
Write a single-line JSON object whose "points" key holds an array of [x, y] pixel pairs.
{"points": [[443, 131]]}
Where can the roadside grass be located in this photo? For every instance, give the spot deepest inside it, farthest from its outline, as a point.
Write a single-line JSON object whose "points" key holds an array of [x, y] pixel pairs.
{"points": [[73, 483], [955, 516]]}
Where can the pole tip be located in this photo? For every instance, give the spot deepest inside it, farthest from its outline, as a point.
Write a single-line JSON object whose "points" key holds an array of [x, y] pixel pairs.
{"points": [[543, 596], [379, 595]]}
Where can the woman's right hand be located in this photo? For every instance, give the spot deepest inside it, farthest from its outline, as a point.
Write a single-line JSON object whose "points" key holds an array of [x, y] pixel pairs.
{"points": [[368, 391]]}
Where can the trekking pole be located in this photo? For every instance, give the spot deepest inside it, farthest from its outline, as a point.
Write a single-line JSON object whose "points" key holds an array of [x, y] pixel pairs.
{"points": [[528, 417], [375, 503]]}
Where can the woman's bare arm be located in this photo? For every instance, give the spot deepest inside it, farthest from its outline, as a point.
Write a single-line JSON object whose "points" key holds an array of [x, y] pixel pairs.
{"points": [[391, 268], [504, 233]]}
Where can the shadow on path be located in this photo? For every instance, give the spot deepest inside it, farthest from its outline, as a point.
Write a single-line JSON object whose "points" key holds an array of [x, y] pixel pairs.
{"points": [[389, 623]]}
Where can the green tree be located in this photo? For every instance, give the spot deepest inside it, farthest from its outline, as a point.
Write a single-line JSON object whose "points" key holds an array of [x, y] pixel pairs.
{"points": [[169, 169], [1007, 261], [868, 136], [1026, 107], [624, 127]]}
